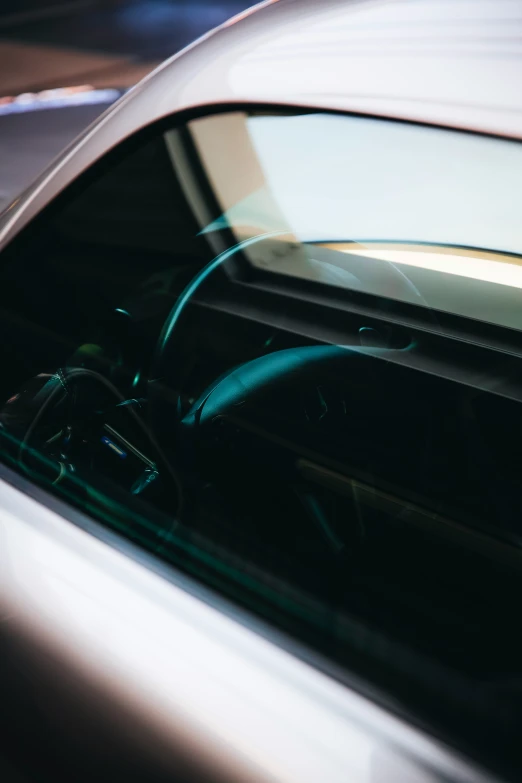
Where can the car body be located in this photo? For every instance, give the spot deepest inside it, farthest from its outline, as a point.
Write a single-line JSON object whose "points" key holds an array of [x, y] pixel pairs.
{"points": [[145, 669]]}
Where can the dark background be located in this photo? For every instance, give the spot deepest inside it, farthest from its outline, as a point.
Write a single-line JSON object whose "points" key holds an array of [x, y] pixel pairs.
{"points": [[46, 44]]}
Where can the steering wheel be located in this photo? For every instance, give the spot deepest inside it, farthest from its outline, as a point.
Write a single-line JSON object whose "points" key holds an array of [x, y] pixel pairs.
{"points": [[50, 411], [257, 383], [164, 365]]}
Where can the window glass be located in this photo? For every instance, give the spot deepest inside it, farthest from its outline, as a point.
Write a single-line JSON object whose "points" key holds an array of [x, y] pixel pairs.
{"points": [[388, 181], [206, 349], [367, 199]]}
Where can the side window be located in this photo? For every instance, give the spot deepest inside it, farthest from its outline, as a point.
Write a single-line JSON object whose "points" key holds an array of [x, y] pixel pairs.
{"points": [[207, 350], [108, 358]]}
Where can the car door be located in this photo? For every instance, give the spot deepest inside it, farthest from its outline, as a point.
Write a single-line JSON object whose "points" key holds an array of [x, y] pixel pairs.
{"points": [[245, 433]]}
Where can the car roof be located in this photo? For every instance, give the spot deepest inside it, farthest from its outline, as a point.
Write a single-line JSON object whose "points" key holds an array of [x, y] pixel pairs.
{"points": [[456, 63], [450, 62]]}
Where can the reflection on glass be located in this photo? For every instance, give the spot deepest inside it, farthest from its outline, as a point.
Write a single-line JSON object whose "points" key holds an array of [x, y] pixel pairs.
{"points": [[232, 346]]}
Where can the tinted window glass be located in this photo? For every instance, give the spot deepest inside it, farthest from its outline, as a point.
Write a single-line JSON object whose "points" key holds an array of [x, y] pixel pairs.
{"points": [[230, 346]]}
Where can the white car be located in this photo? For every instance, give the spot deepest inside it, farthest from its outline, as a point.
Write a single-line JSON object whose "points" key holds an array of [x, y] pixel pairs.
{"points": [[260, 478]]}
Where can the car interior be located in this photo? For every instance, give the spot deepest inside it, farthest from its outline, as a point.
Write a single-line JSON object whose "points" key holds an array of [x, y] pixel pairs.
{"points": [[347, 461]]}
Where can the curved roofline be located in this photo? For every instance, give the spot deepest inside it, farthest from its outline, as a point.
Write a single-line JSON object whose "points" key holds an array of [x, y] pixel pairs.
{"points": [[308, 54]]}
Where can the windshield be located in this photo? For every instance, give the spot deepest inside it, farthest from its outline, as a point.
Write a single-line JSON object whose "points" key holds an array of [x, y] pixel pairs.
{"points": [[350, 196], [338, 178]]}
